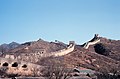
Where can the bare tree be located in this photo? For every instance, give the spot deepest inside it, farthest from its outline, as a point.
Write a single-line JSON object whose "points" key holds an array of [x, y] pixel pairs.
{"points": [[56, 70]]}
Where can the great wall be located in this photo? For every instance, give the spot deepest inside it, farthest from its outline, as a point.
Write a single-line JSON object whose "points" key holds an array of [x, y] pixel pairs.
{"points": [[95, 40], [20, 65], [62, 52]]}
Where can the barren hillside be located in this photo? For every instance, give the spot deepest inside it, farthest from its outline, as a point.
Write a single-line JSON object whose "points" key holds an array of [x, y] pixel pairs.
{"points": [[103, 56]]}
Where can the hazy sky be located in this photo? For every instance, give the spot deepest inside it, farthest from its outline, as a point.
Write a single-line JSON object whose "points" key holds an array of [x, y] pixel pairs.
{"points": [[63, 20]]}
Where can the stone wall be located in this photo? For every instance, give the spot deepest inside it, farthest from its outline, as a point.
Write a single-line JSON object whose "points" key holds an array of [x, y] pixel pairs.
{"points": [[62, 52], [93, 41], [17, 64], [69, 49], [34, 57], [18, 67]]}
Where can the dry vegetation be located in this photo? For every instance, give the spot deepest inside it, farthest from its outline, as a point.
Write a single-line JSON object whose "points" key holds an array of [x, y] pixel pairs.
{"points": [[103, 57]]}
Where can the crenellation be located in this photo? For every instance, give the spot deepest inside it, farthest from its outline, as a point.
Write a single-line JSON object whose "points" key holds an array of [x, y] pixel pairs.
{"points": [[10, 56]]}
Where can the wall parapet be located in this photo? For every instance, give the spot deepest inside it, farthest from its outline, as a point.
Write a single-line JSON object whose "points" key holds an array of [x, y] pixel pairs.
{"points": [[93, 41], [62, 52]]}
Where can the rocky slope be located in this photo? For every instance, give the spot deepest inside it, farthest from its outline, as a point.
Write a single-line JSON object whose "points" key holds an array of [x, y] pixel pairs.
{"points": [[103, 56], [92, 59]]}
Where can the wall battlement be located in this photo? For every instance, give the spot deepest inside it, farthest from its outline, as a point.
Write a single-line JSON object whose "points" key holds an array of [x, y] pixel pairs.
{"points": [[95, 40], [64, 51]]}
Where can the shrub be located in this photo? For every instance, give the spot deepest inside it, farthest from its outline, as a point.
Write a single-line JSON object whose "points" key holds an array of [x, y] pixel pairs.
{"points": [[101, 49]]}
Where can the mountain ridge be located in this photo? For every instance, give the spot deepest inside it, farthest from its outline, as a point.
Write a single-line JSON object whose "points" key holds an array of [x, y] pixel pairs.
{"points": [[89, 58]]}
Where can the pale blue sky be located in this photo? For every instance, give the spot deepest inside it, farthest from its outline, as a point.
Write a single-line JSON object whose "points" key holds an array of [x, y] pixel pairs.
{"points": [[63, 20]]}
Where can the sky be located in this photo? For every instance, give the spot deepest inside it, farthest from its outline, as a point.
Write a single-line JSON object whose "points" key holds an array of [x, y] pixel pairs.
{"points": [[63, 20]]}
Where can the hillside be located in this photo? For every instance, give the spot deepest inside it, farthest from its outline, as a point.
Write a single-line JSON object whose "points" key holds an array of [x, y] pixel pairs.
{"points": [[101, 61], [104, 56], [39, 45]]}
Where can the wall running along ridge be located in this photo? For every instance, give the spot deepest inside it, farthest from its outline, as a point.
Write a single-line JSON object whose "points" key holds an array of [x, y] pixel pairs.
{"points": [[95, 40], [16, 66], [62, 52]]}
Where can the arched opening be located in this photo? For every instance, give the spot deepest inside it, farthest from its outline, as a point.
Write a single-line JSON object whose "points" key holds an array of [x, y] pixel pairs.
{"points": [[88, 74], [5, 64], [41, 52], [24, 66], [15, 64]]}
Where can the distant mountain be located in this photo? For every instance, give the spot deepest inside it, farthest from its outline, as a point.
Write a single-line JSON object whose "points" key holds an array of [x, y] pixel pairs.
{"points": [[7, 47], [13, 45]]}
